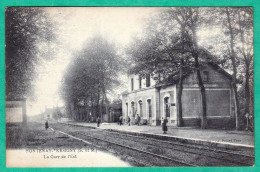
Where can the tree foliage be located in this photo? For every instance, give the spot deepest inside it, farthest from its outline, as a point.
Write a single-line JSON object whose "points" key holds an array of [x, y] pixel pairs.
{"points": [[237, 47], [92, 74], [26, 29], [169, 48], [172, 35]]}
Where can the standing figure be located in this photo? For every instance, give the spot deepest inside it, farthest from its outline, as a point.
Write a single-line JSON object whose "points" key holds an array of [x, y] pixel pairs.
{"points": [[138, 120], [46, 125], [164, 125], [128, 120], [98, 121], [120, 120]]}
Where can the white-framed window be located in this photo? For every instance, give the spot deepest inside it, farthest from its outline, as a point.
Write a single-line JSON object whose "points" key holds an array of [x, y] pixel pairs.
{"points": [[132, 84], [148, 81]]}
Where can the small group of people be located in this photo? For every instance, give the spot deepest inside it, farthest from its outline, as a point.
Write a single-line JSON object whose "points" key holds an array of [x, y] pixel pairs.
{"points": [[128, 122], [120, 121], [138, 120]]}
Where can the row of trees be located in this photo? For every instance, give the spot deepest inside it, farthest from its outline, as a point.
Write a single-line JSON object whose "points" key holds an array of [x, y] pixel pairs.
{"points": [[170, 46], [91, 76]]}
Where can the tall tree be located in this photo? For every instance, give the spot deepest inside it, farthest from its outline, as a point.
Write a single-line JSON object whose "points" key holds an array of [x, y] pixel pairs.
{"points": [[169, 48], [239, 23], [188, 19], [233, 60], [163, 58], [26, 29], [232, 42], [193, 18], [245, 51], [171, 45], [92, 74]]}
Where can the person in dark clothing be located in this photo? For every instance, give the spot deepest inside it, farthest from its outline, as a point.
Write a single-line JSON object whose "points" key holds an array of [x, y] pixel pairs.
{"points": [[138, 120], [164, 125], [128, 120], [46, 125], [121, 120], [98, 122]]}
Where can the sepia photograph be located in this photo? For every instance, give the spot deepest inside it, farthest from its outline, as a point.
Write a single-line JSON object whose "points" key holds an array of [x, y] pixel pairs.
{"points": [[129, 87]]}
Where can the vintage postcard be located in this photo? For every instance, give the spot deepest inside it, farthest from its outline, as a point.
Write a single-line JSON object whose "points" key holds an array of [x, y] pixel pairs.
{"points": [[129, 87]]}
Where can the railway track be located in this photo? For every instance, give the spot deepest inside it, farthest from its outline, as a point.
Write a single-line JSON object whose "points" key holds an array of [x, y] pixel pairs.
{"points": [[233, 157], [154, 155], [175, 154]]}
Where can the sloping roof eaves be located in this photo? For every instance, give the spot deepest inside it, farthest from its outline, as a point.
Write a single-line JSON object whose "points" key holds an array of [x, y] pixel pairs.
{"points": [[173, 79], [219, 69]]}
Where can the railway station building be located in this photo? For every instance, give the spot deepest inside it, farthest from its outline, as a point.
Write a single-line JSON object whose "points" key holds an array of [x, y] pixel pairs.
{"points": [[152, 100]]}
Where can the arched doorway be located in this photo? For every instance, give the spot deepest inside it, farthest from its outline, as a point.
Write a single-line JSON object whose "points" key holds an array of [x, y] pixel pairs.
{"points": [[126, 110], [140, 108], [133, 109]]}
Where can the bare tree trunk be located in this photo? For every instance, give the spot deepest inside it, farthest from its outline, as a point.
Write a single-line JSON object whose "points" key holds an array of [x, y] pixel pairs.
{"points": [[77, 113], [234, 75], [107, 106], [251, 99], [247, 89], [203, 94], [101, 108], [179, 119], [74, 114], [97, 107], [247, 61], [69, 114], [105, 97], [80, 113], [84, 111], [92, 107], [200, 82]]}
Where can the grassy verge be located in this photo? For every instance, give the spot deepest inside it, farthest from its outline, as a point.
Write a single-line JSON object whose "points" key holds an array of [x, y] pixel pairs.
{"points": [[34, 135]]}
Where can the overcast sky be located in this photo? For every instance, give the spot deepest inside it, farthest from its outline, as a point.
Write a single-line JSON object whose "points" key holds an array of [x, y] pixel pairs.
{"points": [[75, 26]]}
